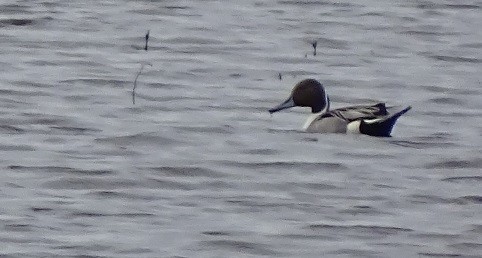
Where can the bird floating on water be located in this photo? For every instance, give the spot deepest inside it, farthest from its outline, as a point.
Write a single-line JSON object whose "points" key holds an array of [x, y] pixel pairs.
{"points": [[373, 120]]}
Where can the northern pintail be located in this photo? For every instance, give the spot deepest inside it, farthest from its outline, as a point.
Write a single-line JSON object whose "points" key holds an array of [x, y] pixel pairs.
{"points": [[374, 120]]}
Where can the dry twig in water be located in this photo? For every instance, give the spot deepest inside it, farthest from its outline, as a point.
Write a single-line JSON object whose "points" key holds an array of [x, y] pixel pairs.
{"points": [[135, 83], [147, 40], [314, 44]]}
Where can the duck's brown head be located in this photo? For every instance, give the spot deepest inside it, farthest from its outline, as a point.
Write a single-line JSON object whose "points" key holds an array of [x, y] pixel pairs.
{"points": [[306, 93]]}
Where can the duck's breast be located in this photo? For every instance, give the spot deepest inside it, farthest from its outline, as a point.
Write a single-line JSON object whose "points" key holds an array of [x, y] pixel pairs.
{"points": [[327, 125]]}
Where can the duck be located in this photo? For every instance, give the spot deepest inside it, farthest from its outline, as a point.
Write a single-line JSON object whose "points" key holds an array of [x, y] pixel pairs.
{"points": [[373, 120]]}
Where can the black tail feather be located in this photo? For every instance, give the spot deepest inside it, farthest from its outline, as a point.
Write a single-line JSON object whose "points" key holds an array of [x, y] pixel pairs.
{"points": [[381, 127]]}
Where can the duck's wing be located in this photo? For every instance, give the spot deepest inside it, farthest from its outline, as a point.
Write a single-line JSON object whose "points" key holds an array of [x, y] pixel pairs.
{"points": [[353, 113]]}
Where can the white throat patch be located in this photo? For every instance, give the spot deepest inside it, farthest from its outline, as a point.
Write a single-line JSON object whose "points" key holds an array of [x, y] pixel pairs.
{"points": [[313, 117]]}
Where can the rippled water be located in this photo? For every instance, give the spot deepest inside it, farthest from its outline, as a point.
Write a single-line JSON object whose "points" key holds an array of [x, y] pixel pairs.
{"points": [[198, 168]]}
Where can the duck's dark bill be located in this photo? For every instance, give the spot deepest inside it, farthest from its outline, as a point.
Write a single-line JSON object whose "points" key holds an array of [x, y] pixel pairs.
{"points": [[289, 103]]}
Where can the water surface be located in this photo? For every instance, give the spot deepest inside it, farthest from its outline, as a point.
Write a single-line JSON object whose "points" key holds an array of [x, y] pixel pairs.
{"points": [[198, 167]]}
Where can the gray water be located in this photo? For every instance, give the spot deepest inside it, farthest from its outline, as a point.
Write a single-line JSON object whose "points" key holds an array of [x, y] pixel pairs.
{"points": [[198, 167]]}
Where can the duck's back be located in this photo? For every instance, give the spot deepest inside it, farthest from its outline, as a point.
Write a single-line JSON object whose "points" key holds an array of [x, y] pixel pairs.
{"points": [[353, 113], [336, 121]]}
